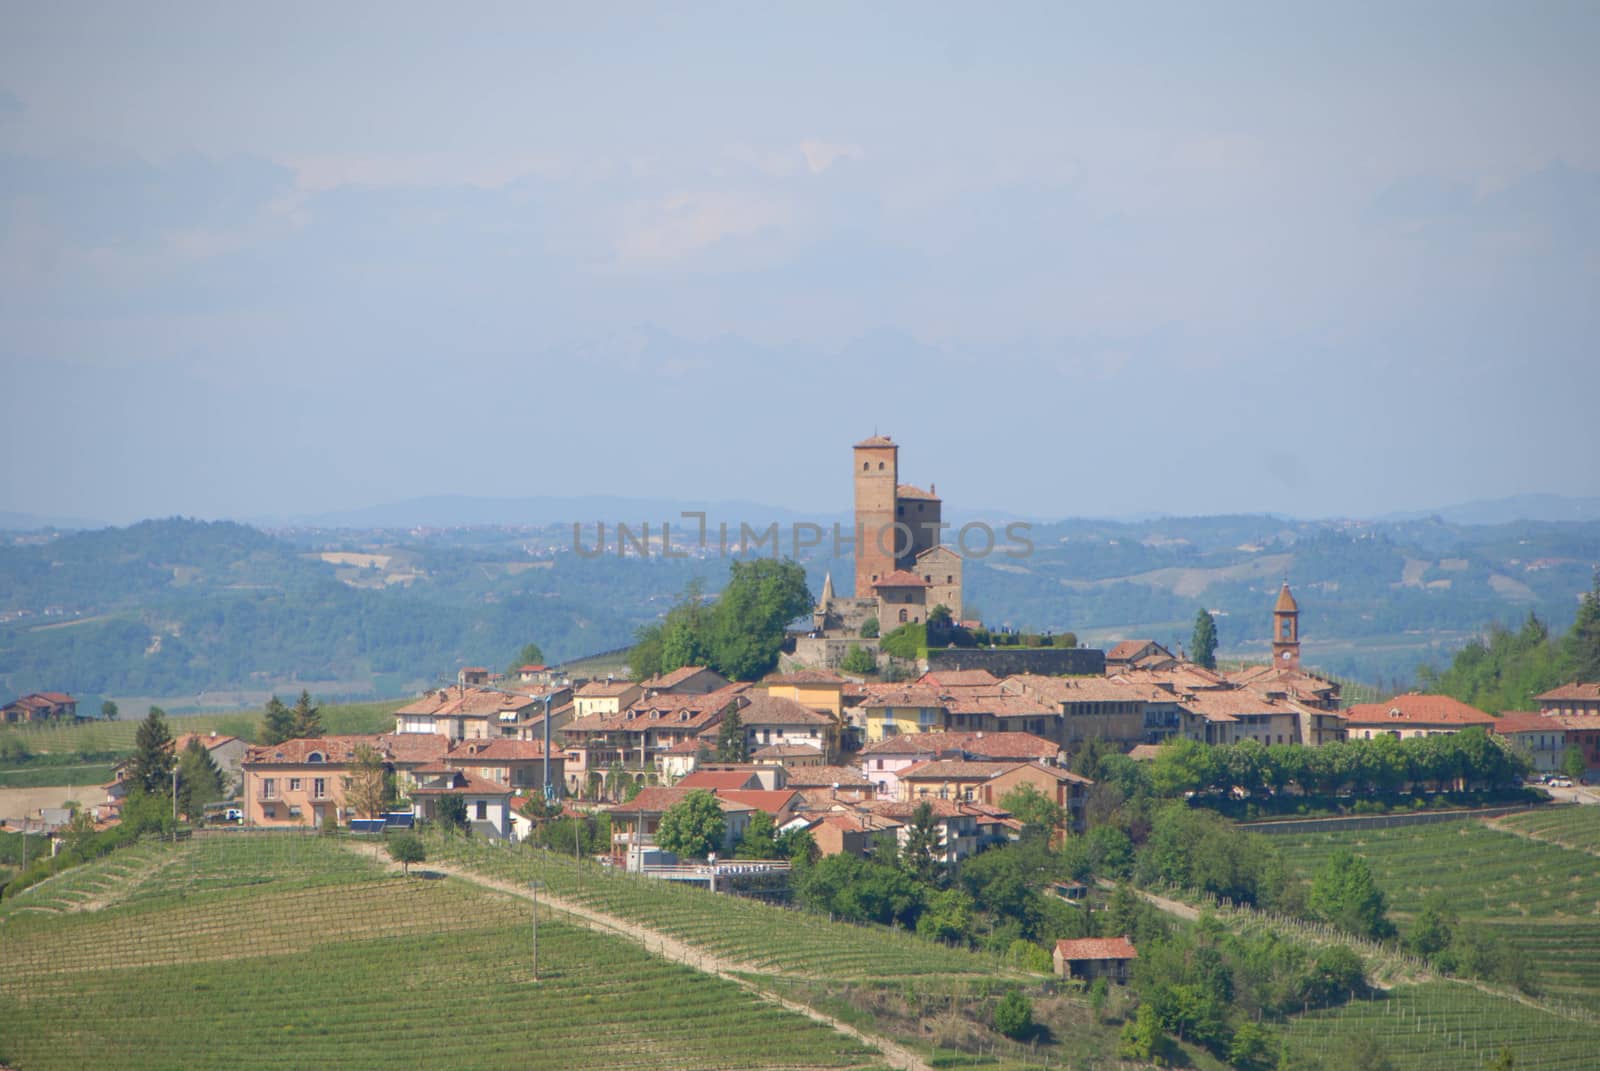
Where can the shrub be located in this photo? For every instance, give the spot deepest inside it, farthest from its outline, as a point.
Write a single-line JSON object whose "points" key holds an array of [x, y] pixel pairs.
{"points": [[1013, 1016]]}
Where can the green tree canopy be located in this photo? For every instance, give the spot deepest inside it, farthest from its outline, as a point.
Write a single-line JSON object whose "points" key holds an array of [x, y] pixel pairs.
{"points": [[307, 718], [199, 779], [693, 827], [407, 848], [923, 848], [108, 710], [858, 660], [150, 770], [732, 743], [277, 722], [759, 840], [1203, 641], [530, 655], [1345, 894]]}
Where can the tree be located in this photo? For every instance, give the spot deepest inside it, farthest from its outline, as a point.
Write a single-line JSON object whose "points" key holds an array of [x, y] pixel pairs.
{"points": [[1573, 764], [150, 770], [693, 827], [1434, 928], [450, 812], [370, 782], [869, 629], [1581, 646], [761, 598], [759, 840], [1345, 894], [1039, 814], [947, 917], [307, 718], [199, 779], [924, 845], [1506, 1061], [108, 710], [407, 848], [1013, 1015], [530, 655], [797, 845], [732, 744], [1203, 641], [277, 723], [858, 660], [1143, 1039]]}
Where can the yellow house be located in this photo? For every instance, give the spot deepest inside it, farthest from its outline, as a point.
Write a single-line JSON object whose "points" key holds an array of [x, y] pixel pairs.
{"points": [[912, 709], [812, 688]]}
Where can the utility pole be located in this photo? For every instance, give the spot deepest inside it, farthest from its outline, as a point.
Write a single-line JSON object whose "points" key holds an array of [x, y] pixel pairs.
{"points": [[534, 885], [174, 805]]}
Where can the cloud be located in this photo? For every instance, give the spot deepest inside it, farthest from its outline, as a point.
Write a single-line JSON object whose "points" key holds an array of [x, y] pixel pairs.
{"points": [[334, 171], [821, 155], [684, 224]]}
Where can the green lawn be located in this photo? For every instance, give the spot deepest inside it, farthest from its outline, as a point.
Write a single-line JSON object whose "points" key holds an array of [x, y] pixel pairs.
{"points": [[117, 736], [48, 776], [1543, 898], [292, 952]]}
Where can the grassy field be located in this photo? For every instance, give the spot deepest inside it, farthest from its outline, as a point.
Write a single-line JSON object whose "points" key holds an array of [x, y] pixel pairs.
{"points": [[1541, 897], [293, 952], [1570, 827], [103, 736], [1442, 1026], [97, 773], [758, 934]]}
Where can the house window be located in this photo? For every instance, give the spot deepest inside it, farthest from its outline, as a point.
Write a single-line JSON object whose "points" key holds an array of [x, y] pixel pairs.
{"points": [[269, 811], [483, 810], [294, 784], [319, 788], [902, 615], [269, 788]]}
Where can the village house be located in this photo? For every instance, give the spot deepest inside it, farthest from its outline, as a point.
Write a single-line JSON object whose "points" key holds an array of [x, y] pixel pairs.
{"points": [[474, 713], [769, 720], [882, 762], [814, 688], [303, 782], [604, 697], [1090, 707], [911, 708], [824, 786], [791, 756], [1541, 737], [646, 737], [39, 706], [515, 764], [1138, 654], [226, 751], [634, 824], [1088, 958], [847, 833], [964, 829], [1577, 698], [990, 782], [689, 680], [488, 803], [1410, 715]]}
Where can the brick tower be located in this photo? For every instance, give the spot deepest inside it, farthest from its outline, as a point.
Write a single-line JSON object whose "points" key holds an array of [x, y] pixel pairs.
{"points": [[877, 469], [1286, 631]]}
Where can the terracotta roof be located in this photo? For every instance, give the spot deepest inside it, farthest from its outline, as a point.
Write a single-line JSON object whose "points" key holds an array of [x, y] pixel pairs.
{"points": [[1575, 690], [209, 741], [1417, 710], [909, 695], [766, 709], [1285, 603], [56, 697], [901, 579], [489, 752], [472, 702], [967, 770], [673, 679], [827, 777], [978, 745], [1142, 752], [1127, 649], [404, 748], [1080, 689], [903, 810], [1097, 948], [531, 669], [876, 440], [999, 705], [1527, 721], [906, 490], [604, 689], [806, 676], [853, 823], [718, 780], [465, 785], [958, 678], [688, 713], [1231, 704], [772, 802]]}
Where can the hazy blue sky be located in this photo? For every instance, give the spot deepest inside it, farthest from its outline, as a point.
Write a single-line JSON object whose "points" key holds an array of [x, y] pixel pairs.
{"points": [[1311, 258]]}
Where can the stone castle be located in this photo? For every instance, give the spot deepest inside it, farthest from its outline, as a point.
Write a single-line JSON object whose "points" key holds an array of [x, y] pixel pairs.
{"points": [[903, 570]]}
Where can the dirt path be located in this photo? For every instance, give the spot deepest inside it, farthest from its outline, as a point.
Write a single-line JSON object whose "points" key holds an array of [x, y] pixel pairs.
{"points": [[668, 947]]}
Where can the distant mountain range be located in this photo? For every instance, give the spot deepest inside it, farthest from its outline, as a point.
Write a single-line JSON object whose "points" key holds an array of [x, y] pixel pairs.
{"points": [[460, 511]]}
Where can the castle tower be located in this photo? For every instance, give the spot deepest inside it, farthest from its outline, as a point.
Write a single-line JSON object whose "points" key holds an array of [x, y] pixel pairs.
{"points": [[877, 469], [1286, 631]]}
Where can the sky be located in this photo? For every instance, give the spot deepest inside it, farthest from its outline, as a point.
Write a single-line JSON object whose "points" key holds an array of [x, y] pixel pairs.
{"points": [[1312, 259]]}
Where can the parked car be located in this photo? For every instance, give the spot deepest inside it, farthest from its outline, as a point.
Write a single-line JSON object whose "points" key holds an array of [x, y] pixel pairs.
{"points": [[1561, 782], [233, 814]]}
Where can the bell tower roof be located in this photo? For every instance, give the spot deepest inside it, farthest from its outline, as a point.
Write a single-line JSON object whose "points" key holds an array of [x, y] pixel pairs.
{"points": [[1286, 603]]}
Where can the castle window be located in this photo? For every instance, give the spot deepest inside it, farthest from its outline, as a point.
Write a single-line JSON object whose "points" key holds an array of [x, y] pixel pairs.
{"points": [[880, 466], [950, 578], [902, 615], [865, 465]]}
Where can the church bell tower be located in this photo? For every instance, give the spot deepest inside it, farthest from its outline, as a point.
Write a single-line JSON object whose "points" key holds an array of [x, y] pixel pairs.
{"points": [[1286, 631]]}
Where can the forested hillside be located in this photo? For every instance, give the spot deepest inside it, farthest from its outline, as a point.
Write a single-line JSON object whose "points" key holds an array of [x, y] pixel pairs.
{"points": [[178, 607]]}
